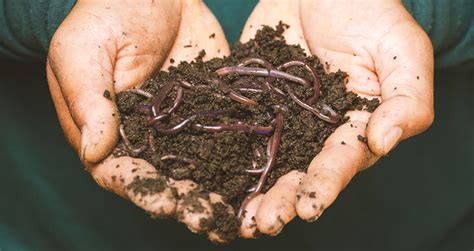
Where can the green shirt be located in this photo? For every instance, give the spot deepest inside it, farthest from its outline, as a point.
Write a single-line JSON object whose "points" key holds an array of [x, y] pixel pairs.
{"points": [[28, 25]]}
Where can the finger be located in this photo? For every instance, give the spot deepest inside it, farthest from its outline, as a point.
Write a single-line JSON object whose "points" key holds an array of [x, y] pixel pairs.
{"points": [[83, 66], [138, 181], [194, 209], [342, 156], [278, 205], [285, 11], [65, 118], [248, 227], [405, 68], [198, 30], [193, 205], [225, 224]]}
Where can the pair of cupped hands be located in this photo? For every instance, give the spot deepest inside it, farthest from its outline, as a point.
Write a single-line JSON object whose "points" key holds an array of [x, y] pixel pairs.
{"points": [[116, 45]]}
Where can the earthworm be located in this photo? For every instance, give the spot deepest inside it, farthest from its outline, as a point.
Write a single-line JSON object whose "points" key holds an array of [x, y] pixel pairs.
{"points": [[157, 118], [260, 84], [271, 78], [128, 146], [179, 158], [241, 70], [278, 91], [177, 101], [175, 129], [232, 94], [251, 189], [181, 125], [274, 143], [316, 81], [186, 84], [251, 90], [261, 72], [245, 202], [260, 130], [157, 115], [141, 92], [258, 153], [254, 164], [162, 94], [259, 61], [151, 141], [287, 76], [327, 114], [144, 109]]}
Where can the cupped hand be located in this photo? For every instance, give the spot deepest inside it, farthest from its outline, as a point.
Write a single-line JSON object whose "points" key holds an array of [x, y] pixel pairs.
{"points": [[106, 47], [387, 56]]}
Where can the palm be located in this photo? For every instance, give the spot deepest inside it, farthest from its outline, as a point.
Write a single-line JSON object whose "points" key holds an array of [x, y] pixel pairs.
{"points": [[106, 47], [387, 56]]}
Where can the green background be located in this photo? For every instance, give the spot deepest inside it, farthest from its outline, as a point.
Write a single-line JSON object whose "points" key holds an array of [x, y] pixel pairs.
{"points": [[418, 198]]}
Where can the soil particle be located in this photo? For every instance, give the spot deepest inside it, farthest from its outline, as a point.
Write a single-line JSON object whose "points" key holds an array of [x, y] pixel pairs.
{"points": [[312, 195], [107, 95], [362, 138], [213, 35], [223, 157]]}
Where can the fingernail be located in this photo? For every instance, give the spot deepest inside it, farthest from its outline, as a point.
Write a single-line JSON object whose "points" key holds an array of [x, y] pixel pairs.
{"points": [[391, 139]]}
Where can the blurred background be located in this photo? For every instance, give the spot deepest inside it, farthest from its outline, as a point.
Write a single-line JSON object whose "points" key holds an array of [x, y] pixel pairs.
{"points": [[420, 197]]}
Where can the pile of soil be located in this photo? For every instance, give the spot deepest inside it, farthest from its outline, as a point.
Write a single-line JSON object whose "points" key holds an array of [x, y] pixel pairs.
{"points": [[223, 157]]}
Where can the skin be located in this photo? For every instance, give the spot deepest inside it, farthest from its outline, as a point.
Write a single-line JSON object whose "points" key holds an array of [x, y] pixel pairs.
{"points": [[388, 57], [115, 45]]}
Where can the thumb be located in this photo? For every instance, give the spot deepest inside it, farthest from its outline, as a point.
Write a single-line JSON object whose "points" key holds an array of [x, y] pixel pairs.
{"points": [[405, 70], [83, 67]]}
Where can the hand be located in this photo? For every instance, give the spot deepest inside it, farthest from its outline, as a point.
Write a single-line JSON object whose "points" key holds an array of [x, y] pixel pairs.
{"points": [[105, 47], [387, 56]]}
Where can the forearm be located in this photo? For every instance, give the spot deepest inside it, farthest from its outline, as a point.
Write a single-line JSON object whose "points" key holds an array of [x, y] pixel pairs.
{"points": [[26, 26]]}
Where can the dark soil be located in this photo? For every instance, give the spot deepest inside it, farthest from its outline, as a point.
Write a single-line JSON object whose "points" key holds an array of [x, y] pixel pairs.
{"points": [[223, 157]]}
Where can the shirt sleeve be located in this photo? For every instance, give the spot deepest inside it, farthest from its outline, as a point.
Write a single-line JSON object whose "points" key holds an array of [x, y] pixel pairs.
{"points": [[27, 26], [450, 25]]}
